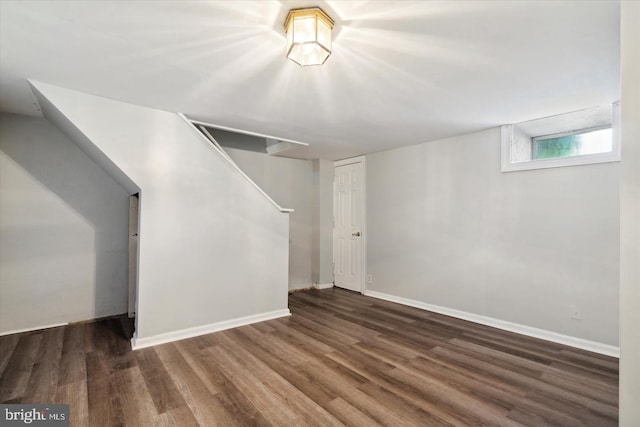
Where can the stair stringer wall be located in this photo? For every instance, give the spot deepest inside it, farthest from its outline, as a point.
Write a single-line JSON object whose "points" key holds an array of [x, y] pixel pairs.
{"points": [[213, 250]]}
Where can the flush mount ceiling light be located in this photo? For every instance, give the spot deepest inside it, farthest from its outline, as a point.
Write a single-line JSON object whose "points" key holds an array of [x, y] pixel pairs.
{"points": [[308, 36]]}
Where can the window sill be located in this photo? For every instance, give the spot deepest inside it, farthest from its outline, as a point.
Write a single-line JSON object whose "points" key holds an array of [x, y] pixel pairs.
{"points": [[561, 162], [590, 117]]}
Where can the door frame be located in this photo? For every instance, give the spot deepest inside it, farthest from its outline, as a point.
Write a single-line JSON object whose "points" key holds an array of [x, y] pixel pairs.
{"points": [[363, 220], [133, 254]]}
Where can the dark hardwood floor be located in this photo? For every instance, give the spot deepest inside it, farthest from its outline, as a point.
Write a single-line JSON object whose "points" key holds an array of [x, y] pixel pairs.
{"points": [[341, 358]]}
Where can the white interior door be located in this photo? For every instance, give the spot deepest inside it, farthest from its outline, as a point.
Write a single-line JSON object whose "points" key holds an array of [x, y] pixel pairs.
{"points": [[348, 215]]}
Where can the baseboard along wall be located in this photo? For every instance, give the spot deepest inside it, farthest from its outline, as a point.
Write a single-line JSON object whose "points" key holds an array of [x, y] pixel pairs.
{"points": [[35, 328], [580, 343], [138, 343]]}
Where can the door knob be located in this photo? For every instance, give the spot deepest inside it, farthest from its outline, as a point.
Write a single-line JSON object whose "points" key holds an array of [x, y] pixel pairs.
{"points": [[356, 234]]}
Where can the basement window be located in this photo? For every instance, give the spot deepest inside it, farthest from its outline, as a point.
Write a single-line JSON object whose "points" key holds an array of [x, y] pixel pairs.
{"points": [[582, 137], [574, 143]]}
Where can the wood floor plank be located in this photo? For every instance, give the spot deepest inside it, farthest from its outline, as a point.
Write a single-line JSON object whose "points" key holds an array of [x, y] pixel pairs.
{"points": [[323, 332], [184, 417], [116, 347], [72, 363], [286, 331], [340, 359], [256, 391], [586, 373], [264, 327], [199, 397], [465, 406], [514, 352], [385, 353], [75, 395], [89, 335], [587, 377], [138, 406], [233, 400], [103, 399], [548, 389], [606, 394], [43, 381], [277, 360], [192, 355], [412, 313], [381, 412], [478, 357], [296, 354], [408, 392], [538, 419], [15, 377], [350, 415], [410, 411], [473, 380], [163, 391], [7, 346], [291, 398], [589, 415]]}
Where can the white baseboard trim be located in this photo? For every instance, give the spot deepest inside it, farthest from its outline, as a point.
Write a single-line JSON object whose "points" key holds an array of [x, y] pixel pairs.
{"points": [[35, 328], [323, 286], [138, 343], [583, 344]]}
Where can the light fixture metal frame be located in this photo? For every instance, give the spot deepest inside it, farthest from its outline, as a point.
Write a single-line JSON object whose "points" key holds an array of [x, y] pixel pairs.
{"points": [[309, 12]]}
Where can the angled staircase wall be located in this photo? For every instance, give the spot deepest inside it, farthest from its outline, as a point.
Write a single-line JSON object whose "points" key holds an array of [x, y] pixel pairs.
{"points": [[213, 248]]}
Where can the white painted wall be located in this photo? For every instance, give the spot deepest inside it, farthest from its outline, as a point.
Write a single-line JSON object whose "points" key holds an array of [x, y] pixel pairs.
{"points": [[630, 217], [322, 248], [307, 187], [446, 227], [290, 183], [63, 230], [212, 248]]}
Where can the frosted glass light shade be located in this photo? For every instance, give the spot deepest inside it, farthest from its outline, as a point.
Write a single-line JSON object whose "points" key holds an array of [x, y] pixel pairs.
{"points": [[308, 36]]}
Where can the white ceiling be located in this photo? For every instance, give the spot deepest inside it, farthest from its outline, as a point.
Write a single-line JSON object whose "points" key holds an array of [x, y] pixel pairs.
{"points": [[402, 72]]}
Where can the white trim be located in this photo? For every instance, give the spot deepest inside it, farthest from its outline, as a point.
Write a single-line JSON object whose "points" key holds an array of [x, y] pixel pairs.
{"points": [[365, 234], [588, 159], [322, 286], [214, 142], [138, 343], [277, 148], [363, 250], [34, 328], [349, 161], [231, 162], [583, 344], [506, 136], [244, 132]]}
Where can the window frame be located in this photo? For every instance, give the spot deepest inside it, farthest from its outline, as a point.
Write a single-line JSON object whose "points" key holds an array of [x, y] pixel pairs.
{"points": [[585, 159], [535, 139]]}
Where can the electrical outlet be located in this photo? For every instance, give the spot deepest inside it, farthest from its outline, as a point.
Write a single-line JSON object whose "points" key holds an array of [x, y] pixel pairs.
{"points": [[369, 278], [575, 314]]}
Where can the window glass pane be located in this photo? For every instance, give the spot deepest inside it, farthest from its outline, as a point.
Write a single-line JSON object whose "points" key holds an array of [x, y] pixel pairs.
{"points": [[592, 142]]}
